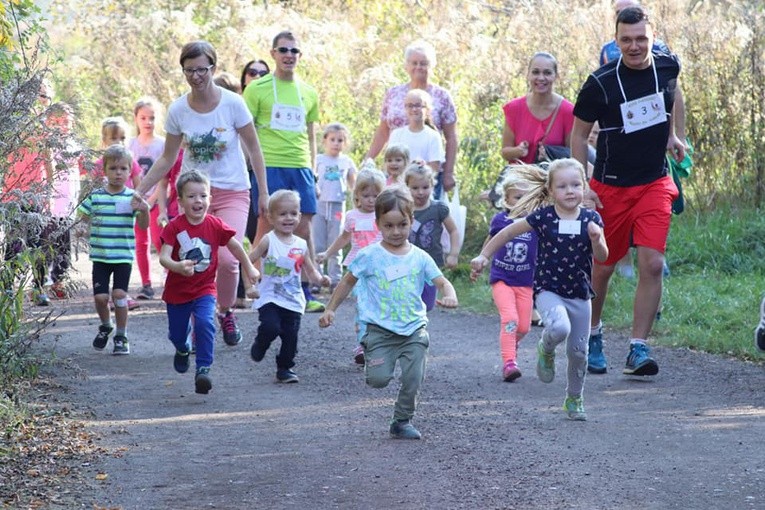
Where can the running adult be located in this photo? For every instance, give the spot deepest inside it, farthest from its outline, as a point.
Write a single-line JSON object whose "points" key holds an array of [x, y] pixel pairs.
{"points": [[285, 110], [214, 124], [541, 115], [631, 98], [611, 51], [419, 61]]}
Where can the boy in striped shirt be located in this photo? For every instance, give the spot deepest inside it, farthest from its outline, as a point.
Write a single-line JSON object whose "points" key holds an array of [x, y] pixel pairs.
{"points": [[112, 244]]}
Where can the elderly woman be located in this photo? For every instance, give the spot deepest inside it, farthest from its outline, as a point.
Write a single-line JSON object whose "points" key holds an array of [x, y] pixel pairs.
{"points": [[214, 124], [539, 116], [419, 60]]}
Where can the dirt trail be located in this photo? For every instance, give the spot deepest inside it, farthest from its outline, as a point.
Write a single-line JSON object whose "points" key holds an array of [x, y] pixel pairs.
{"points": [[691, 437]]}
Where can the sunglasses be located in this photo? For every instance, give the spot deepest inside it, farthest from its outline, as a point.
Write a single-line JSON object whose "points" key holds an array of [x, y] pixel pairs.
{"points": [[255, 72], [282, 49]]}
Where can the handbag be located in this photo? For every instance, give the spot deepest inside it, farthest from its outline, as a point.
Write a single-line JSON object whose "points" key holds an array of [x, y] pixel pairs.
{"points": [[547, 153], [458, 213]]}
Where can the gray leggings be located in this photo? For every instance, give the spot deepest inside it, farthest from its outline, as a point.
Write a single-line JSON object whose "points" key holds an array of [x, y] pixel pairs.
{"points": [[567, 319]]}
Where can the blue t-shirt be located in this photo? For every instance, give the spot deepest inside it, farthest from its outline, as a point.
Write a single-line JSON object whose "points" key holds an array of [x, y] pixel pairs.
{"points": [[388, 293], [564, 261], [514, 262]]}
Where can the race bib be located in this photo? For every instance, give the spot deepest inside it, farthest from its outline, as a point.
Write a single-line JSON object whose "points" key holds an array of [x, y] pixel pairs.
{"points": [[416, 226], [288, 118], [123, 207], [396, 272], [569, 227], [643, 113], [364, 225]]}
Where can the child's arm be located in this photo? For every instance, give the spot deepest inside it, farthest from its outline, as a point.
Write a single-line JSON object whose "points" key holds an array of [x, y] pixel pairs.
{"points": [[454, 242], [261, 249], [448, 294], [598, 240], [341, 292], [183, 267], [503, 236], [314, 275], [338, 244], [162, 218], [436, 166], [237, 250], [351, 180]]}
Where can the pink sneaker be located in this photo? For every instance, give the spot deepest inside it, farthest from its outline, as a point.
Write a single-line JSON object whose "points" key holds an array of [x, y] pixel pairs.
{"points": [[510, 372]]}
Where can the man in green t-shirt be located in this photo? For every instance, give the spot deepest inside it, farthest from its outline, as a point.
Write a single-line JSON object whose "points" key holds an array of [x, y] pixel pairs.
{"points": [[285, 109]]}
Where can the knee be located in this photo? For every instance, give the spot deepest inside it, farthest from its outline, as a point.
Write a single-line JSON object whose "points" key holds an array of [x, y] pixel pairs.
{"points": [[557, 327], [651, 266], [268, 329], [577, 351], [118, 294], [378, 379], [101, 299]]}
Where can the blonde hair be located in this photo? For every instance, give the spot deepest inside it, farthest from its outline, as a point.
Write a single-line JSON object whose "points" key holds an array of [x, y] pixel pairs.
{"points": [[110, 125], [227, 81], [512, 181], [397, 149], [147, 102], [540, 184], [419, 170], [282, 195], [336, 127], [427, 103], [368, 178]]}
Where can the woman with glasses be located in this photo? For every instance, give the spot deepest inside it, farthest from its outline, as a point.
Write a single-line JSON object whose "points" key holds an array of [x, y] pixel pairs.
{"points": [[419, 60], [214, 125], [253, 70]]}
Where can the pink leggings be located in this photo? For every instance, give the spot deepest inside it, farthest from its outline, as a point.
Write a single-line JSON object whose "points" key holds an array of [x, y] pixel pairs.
{"points": [[142, 256], [232, 207], [514, 305]]}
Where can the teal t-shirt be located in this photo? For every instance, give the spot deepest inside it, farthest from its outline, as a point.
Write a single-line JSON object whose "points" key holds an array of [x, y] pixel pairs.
{"points": [[281, 147], [112, 238], [388, 293]]}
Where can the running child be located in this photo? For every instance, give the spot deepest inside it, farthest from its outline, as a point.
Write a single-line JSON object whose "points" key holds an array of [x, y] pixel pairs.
{"points": [[111, 217], [395, 160], [420, 135], [189, 252], [431, 217], [359, 229], [512, 276], [569, 236], [391, 275], [147, 147], [282, 302], [336, 175]]}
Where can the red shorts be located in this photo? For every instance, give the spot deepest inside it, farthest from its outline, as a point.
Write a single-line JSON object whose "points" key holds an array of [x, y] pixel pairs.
{"points": [[637, 215]]}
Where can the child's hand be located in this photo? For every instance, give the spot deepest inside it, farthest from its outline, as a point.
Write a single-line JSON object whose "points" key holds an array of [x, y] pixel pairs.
{"points": [[252, 274], [477, 265], [325, 281], [81, 230], [138, 203], [448, 302], [594, 231], [321, 257], [451, 261], [253, 292], [162, 219], [185, 267], [524, 147], [326, 319]]}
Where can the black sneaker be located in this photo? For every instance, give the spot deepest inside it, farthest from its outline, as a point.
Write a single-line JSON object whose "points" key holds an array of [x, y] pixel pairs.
{"points": [[285, 375], [231, 333], [145, 292], [759, 332], [121, 345], [404, 430], [102, 338], [258, 350], [202, 381], [181, 361]]}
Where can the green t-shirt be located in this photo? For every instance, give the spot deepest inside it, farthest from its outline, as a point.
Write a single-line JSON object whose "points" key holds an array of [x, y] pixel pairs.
{"points": [[282, 148]]}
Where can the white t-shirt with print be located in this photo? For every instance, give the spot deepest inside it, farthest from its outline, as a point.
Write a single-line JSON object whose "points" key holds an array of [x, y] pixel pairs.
{"points": [[210, 140], [333, 176]]}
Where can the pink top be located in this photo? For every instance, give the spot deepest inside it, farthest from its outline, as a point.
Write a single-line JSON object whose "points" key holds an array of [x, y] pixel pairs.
{"points": [[394, 113], [528, 128], [364, 232]]}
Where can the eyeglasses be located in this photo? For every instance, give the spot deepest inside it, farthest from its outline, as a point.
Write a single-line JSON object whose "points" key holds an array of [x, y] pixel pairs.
{"points": [[412, 106], [283, 50], [256, 72], [201, 71]]}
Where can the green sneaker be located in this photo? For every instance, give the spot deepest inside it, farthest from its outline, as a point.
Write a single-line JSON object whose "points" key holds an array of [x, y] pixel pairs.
{"points": [[314, 306], [574, 407], [545, 364]]}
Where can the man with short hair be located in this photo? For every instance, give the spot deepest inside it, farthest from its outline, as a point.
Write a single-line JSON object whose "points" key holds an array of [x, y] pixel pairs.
{"points": [[285, 109], [610, 51], [631, 99]]}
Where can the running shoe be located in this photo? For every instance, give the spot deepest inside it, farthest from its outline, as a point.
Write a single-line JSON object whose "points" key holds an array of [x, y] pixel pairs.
{"points": [[596, 360], [510, 371], [202, 381], [231, 333], [358, 355], [574, 407], [181, 361], [121, 346], [102, 338], [545, 364], [759, 332], [314, 306], [404, 430], [639, 362], [145, 292], [287, 376]]}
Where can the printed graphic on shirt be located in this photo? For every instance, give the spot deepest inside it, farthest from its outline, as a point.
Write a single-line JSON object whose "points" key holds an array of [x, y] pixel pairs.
{"points": [[199, 251], [423, 236], [145, 163], [332, 173], [206, 147]]}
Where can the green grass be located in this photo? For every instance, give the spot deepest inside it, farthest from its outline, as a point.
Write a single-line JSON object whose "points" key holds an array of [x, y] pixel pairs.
{"points": [[711, 300]]}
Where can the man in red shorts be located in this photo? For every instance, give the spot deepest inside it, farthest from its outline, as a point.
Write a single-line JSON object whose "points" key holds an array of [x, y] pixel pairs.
{"points": [[631, 98]]}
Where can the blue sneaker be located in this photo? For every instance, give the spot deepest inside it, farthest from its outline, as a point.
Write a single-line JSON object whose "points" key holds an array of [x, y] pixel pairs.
{"points": [[639, 362], [404, 430], [596, 360]]}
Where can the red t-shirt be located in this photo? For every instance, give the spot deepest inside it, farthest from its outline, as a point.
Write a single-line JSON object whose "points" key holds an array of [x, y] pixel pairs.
{"points": [[200, 244]]}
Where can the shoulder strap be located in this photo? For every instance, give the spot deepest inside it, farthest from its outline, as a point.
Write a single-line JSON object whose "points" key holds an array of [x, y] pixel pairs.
{"points": [[552, 121]]}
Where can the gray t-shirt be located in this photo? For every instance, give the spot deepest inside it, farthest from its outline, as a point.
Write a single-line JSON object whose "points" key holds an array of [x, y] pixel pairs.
{"points": [[427, 228]]}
